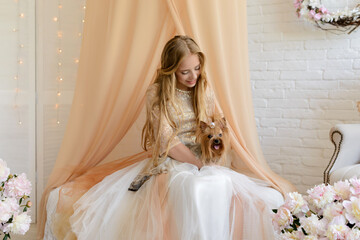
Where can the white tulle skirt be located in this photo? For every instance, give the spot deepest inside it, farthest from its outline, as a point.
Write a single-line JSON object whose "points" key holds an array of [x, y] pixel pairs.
{"points": [[185, 203]]}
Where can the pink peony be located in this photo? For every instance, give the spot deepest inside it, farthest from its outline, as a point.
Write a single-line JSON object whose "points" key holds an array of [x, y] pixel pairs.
{"points": [[353, 210], [296, 235], [296, 203], [321, 195], [333, 210], [312, 225], [355, 186], [342, 190], [4, 171], [17, 187], [282, 219], [8, 207], [337, 229]]}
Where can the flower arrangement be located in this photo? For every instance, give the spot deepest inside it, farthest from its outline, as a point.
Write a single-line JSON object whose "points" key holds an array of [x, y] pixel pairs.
{"points": [[14, 192], [315, 12], [327, 212]]}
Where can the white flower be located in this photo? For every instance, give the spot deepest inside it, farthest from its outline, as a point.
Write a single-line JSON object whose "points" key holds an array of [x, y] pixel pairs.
{"points": [[333, 210], [353, 210], [311, 237], [337, 230], [17, 187], [8, 207], [312, 225], [282, 219], [296, 203], [19, 225], [342, 190], [353, 234], [296, 235], [321, 195], [4, 171]]}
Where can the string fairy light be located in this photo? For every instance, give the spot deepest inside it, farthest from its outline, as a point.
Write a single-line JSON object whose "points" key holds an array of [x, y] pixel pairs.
{"points": [[60, 51], [20, 61], [59, 77]]}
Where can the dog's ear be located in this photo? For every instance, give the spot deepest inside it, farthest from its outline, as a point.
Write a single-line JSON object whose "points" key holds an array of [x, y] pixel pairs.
{"points": [[203, 126], [222, 123]]}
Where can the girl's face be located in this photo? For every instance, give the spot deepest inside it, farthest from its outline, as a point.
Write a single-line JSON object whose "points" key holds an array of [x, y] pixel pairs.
{"points": [[188, 72]]}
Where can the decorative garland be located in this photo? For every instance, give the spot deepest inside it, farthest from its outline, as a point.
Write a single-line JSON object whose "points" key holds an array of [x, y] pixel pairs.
{"points": [[315, 12]]}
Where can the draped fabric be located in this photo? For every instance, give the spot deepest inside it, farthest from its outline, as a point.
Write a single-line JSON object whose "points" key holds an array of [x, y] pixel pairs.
{"points": [[120, 52]]}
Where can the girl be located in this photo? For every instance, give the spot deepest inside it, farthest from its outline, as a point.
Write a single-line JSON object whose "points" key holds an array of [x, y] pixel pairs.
{"points": [[190, 201]]}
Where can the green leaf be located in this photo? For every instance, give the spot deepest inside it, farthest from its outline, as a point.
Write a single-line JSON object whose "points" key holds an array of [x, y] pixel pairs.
{"points": [[20, 200], [25, 209]]}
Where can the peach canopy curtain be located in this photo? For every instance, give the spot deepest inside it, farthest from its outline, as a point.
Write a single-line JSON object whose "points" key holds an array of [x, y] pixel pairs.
{"points": [[120, 53]]}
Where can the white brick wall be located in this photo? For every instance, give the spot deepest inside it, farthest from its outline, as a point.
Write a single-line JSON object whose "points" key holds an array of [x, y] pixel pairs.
{"points": [[304, 80]]}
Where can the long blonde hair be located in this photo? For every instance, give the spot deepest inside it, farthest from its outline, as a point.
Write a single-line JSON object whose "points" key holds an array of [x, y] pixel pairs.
{"points": [[175, 50]]}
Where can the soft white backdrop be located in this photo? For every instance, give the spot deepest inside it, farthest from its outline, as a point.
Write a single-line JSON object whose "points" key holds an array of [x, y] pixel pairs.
{"points": [[304, 81]]}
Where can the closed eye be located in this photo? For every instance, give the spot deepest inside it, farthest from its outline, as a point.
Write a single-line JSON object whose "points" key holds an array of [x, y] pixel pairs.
{"points": [[197, 68]]}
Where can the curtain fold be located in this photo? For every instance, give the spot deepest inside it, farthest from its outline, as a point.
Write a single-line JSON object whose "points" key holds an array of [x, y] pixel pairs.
{"points": [[120, 53]]}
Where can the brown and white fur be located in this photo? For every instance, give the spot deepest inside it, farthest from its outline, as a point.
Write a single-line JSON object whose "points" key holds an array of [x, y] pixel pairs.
{"points": [[214, 140]]}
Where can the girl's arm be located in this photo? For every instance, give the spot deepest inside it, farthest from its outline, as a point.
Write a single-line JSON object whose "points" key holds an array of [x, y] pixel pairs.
{"points": [[182, 153]]}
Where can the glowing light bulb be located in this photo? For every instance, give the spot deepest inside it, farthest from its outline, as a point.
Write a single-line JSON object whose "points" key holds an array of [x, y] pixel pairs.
{"points": [[20, 122], [56, 106], [83, 20], [59, 94], [14, 30], [59, 63], [15, 77], [21, 45], [60, 79], [58, 122], [76, 60], [59, 34], [22, 15], [60, 6], [55, 19], [59, 50], [20, 61], [84, 7]]}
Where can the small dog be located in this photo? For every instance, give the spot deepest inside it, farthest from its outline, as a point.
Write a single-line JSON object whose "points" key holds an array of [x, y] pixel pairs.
{"points": [[214, 140]]}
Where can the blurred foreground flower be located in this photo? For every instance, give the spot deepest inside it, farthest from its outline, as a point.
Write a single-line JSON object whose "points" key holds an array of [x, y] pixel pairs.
{"points": [[14, 190]]}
